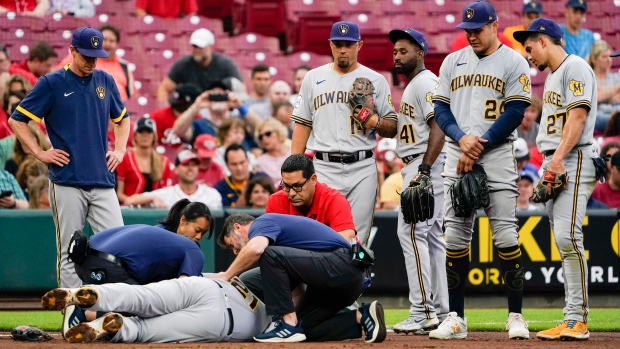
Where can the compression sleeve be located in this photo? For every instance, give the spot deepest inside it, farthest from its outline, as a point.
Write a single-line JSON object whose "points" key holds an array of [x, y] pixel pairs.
{"points": [[446, 121], [507, 122]]}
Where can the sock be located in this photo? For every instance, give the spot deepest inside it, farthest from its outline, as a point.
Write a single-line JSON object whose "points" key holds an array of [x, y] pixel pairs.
{"points": [[457, 267], [511, 263]]}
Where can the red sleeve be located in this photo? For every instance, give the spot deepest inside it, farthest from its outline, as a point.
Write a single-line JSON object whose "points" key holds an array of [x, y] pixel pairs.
{"points": [[504, 40], [339, 213], [142, 4], [15, 69], [277, 203], [459, 42], [190, 6], [166, 176], [121, 169]]}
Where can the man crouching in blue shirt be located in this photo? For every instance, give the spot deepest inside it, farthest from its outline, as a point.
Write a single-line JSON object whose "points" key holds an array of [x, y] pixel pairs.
{"points": [[292, 250]]}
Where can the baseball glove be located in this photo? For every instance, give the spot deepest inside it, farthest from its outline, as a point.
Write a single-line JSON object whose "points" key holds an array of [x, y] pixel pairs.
{"points": [[361, 97], [417, 201], [30, 334], [550, 186], [470, 192]]}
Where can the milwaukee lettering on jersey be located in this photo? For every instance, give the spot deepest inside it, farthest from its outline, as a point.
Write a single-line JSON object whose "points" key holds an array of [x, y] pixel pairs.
{"points": [[331, 97], [478, 80], [553, 98], [407, 109]]}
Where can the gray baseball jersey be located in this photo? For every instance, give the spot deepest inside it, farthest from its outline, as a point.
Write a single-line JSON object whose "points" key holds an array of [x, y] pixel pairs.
{"points": [[322, 104], [571, 85], [477, 89], [192, 309], [422, 243]]}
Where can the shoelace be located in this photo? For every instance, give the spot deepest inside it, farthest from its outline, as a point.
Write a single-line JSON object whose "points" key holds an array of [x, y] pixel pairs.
{"points": [[571, 323]]}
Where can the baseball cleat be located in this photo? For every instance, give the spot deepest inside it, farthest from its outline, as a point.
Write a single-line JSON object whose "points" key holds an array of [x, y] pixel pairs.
{"points": [[73, 316], [87, 332], [552, 333], [373, 322], [421, 326], [282, 333], [453, 327], [575, 331], [517, 327], [60, 298]]}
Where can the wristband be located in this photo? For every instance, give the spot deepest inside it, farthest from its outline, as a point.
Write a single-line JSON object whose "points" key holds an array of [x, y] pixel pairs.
{"points": [[425, 169], [243, 110]]}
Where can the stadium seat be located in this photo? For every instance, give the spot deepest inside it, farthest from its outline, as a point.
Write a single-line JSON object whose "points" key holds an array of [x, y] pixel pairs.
{"points": [[254, 42], [215, 8], [376, 52], [310, 59], [265, 17], [187, 25], [311, 33], [116, 8], [347, 7], [297, 8], [400, 7], [58, 22], [370, 23]]}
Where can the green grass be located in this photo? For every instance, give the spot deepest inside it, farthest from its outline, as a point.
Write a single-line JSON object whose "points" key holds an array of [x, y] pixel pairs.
{"points": [[477, 319]]}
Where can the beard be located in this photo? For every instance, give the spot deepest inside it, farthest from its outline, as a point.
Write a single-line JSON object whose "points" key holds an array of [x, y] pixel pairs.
{"points": [[406, 67], [343, 64], [542, 67]]}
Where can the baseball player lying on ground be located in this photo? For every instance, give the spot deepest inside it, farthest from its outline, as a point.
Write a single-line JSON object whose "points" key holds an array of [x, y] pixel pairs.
{"points": [[192, 309]]}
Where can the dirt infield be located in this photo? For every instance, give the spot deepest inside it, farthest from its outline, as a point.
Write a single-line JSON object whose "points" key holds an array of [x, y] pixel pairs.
{"points": [[475, 340]]}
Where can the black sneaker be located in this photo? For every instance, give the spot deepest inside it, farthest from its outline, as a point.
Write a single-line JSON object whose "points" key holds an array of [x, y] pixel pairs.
{"points": [[283, 333], [373, 322]]}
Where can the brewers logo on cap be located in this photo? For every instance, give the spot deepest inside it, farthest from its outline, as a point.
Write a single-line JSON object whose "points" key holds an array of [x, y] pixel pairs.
{"points": [[408, 30], [343, 29], [100, 92], [470, 13], [94, 41], [541, 28]]}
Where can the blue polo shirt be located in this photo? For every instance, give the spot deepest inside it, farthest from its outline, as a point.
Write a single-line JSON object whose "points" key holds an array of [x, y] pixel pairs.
{"points": [[578, 44], [76, 111], [229, 192], [150, 253], [297, 232]]}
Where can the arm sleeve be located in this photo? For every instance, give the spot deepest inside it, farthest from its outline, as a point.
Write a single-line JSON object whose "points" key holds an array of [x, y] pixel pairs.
{"points": [[36, 104], [303, 106], [506, 123], [446, 121], [383, 100], [192, 262], [190, 6]]}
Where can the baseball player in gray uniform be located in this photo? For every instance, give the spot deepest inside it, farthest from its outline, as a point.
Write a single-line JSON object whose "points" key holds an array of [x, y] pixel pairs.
{"points": [[420, 144], [324, 123], [191, 309], [565, 139], [480, 99]]}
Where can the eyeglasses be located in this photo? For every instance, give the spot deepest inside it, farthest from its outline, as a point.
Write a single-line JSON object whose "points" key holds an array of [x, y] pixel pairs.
{"points": [[266, 134], [296, 187]]}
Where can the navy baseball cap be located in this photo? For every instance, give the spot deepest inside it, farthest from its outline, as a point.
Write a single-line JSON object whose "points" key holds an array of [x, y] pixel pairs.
{"points": [[477, 14], [345, 31], [410, 34], [145, 124], [89, 42], [539, 25], [577, 4], [532, 7]]}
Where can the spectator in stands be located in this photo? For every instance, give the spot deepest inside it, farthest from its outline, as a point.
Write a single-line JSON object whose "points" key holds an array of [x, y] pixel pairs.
{"points": [[271, 136], [40, 62], [298, 77], [233, 131], [388, 192], [202, 67], [388, 164], [576, 40], [17, 83], [530, 12], [166, 8], [528, 129], [38, 197], [10, 101], [233, 188], [522, 156], [28, 171], [187, 188], [209, 171], [259, 100], [607, 151], [142, 169], [35, 8], [19, 153], [608, 83], [76, 8], [282, 111], [216, 104], [612, 129], [258, 192], [5, 65], [113, 65], [526, 183], [16, 199], [608, 193], [180, 100]]}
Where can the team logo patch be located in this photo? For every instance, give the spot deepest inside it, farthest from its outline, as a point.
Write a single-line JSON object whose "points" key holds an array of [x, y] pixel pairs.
{"points": [[390, 101], [408, 30], [343, 29], [437, 86], [523, 79], [541, 28], [429, 98], [100, 92], [576, 87], [95, 41], [469, 13]]}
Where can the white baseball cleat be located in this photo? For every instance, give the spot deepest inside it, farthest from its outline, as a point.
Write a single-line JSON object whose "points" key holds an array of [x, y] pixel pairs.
{"points": [[88, 332], [60, 298], [453, 327], [416, 326], [517, 327]]}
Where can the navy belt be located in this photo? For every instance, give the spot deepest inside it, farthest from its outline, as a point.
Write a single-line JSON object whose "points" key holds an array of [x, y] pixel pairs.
{"points": [[108, 257], [344, 158], [410, 158]]}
